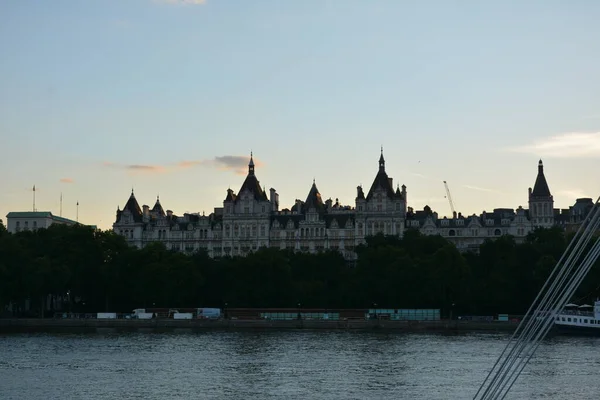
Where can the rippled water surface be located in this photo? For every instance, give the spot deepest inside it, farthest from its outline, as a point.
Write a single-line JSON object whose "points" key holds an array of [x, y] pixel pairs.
{"points": [[283, 365]]}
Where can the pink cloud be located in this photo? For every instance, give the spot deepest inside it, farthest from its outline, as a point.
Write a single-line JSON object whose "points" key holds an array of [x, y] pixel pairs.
{"points": [[235, 164]]}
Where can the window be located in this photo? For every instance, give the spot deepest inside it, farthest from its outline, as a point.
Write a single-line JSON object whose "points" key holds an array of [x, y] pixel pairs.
{"points": [[246, 210], [360, 208], [34, 224], [263, 208]]}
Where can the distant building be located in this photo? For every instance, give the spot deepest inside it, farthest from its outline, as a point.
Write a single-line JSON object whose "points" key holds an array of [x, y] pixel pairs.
{"points": [[251, 219], [32, 220], [469, 232]]}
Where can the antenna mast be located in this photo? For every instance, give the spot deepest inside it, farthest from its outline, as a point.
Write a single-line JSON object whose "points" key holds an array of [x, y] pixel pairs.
{"points": [[450, 199], [61, 204], [77, 215]]}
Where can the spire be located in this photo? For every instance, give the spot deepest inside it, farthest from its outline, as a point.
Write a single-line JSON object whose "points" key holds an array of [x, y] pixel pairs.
{"points": [[251, 165], [381, 161], [541, 189], [158, 207]]}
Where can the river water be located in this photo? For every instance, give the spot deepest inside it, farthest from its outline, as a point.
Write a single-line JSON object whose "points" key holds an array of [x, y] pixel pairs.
{"points": [[309, 365]]}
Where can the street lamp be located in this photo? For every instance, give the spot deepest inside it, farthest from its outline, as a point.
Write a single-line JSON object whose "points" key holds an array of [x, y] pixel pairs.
{"points": [[299, 311]]}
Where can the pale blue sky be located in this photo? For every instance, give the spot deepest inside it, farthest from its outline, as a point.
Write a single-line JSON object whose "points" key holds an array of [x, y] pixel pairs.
{"points": [[470, 92]]}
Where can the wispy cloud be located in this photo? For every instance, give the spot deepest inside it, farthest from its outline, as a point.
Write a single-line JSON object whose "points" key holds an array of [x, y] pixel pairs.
{"points": [[572, 193], [417, 174], [236, 164], [67, 180], [480, 189], [146, 168], [191, 2], [567, 145]]}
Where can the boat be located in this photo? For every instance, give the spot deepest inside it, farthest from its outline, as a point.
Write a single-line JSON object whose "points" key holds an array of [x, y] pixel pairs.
{"points": [[579, 319]]}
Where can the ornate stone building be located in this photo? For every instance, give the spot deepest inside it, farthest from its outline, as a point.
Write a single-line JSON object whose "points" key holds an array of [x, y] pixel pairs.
{"points": [[252, 219], [469, 232]]}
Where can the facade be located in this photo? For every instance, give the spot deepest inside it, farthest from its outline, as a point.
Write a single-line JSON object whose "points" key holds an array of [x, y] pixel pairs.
{"points": [[252, 218], [32, 220], [469, 232]]}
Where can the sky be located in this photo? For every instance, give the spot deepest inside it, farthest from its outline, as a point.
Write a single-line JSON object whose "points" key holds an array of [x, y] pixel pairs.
{"points": [[169, 97]]}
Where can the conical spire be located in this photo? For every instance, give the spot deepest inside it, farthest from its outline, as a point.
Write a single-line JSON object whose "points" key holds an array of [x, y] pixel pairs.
{"points": [[314, 198], [381, 161], [158, 209], [251, 165], [541, 189]]}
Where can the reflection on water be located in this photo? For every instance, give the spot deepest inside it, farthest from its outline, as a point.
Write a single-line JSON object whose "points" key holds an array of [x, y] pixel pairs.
{"points": [[282, 365]]}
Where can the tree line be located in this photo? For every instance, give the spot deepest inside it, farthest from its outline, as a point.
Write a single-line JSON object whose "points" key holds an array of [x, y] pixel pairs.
{"points": [[94, 271]]}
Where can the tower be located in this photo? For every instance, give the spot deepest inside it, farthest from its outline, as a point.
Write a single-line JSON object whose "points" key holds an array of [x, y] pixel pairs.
{"points": [[541, 202]]}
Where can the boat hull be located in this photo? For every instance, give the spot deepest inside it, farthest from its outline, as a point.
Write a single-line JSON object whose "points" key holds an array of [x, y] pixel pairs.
{"points": [[577, 330]]}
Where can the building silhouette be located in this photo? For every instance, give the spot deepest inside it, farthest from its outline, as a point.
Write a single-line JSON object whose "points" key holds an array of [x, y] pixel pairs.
{"points": [[251, 219]]}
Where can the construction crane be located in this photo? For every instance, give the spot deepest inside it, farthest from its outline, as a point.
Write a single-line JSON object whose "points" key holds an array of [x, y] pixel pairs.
{"points": [[449, 199]]}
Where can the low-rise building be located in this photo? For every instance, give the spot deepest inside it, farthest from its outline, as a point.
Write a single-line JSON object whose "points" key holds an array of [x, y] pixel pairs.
{"points": [[17, 221]]}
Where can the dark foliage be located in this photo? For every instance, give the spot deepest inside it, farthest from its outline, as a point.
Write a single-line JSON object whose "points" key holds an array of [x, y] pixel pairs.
{"points": [[97, 271]]}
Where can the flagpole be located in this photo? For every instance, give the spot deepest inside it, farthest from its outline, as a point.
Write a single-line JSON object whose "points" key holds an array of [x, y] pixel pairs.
{"points": [[77, 217], [33, 198], [61, 204]]}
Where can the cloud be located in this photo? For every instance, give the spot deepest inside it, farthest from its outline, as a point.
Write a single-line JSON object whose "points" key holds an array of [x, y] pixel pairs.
{"points": [[417, 174], [480, 189], [236, 164], [567, 145], [146, 168], [67, 180], [184, 2], [572, 194]]}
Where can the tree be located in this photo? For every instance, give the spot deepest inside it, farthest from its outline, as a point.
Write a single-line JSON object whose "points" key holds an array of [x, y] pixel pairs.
{"points": [[79, 269]]}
